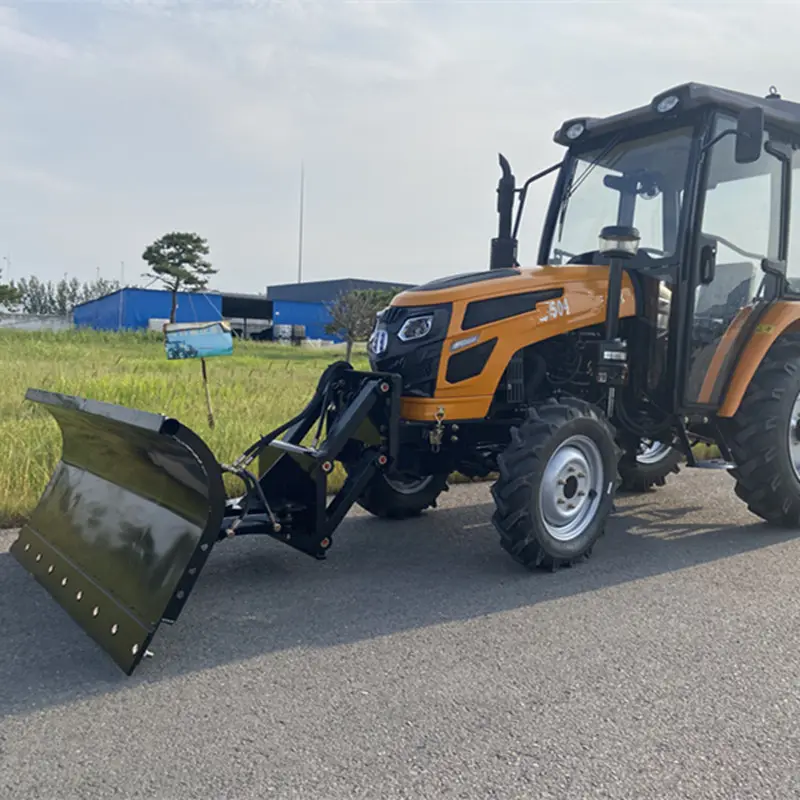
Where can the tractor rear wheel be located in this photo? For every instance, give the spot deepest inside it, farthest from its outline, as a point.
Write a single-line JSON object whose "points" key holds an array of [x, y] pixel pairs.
{"points": [[647, 464], [400, 497], [765, 438], [556, 485]]}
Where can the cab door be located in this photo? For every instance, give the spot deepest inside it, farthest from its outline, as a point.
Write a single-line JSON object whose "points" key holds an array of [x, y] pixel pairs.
{"points": [[741, 223]]}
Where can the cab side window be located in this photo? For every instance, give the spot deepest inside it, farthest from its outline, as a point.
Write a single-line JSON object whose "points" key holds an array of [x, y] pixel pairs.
{"points": [[742, 213], [793, 254]]}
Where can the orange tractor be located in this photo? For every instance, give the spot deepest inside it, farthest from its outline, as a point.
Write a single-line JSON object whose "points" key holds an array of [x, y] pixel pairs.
{"points": [[660, 313]]}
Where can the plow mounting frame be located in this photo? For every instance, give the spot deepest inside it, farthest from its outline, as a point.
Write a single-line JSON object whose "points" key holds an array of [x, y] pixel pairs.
{"points": [[137, 501]]}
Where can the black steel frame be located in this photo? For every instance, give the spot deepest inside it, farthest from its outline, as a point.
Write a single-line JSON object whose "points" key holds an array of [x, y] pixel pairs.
{"points": [[288, 500]]}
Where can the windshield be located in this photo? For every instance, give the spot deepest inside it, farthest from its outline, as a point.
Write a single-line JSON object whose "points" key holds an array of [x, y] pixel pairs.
{"points": [[638, 182]]}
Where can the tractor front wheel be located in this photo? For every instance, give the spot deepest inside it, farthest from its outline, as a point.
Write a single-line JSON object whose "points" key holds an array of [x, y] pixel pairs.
{"points": [[401, 496], [556, 485], [765, 439]]}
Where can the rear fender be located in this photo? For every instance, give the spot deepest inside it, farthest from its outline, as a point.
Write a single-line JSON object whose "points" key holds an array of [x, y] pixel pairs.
{"points": [[780, 319]]}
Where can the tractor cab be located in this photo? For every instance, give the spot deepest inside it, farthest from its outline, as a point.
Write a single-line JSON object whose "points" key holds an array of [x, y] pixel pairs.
{"points": [[700, 181]]}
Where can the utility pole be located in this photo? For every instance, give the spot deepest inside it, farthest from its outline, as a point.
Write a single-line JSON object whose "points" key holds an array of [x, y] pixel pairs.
{"points": [[300, 238]]}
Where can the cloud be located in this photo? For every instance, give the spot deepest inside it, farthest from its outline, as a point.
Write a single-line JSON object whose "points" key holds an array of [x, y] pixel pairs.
{"points": [[121, 121]]}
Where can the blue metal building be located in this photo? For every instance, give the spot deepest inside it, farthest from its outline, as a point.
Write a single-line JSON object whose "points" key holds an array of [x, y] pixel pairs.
{"points": [[306, 304], [250, 315], [132, 309], [291, 304]]}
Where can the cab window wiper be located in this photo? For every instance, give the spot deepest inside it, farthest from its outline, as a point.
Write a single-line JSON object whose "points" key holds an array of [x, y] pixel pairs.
{"points": [[573, 185]]}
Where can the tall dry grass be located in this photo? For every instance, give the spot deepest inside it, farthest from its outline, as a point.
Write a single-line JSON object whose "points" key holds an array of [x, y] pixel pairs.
{"points": [[253, 391]]}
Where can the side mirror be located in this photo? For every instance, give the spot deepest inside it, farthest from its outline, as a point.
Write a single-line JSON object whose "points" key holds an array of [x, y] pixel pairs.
{"points": [[749, 135]]}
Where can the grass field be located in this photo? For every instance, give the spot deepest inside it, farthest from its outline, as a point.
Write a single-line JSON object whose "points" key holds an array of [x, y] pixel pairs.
{"points": [[256, 389]]}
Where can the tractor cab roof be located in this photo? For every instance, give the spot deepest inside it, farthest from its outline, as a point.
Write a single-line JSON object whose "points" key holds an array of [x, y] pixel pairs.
{"points": [[677, 101]]}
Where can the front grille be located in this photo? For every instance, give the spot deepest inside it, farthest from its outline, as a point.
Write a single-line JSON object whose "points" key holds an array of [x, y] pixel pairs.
{"points": [[392, 314], [417, 362], [417, 367]]}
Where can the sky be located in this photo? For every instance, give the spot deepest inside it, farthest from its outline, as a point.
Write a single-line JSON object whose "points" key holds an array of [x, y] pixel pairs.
{"points": [[123, 120]]}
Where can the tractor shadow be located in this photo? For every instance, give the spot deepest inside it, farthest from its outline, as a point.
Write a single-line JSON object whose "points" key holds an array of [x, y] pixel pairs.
{"points": [[257, 596]]}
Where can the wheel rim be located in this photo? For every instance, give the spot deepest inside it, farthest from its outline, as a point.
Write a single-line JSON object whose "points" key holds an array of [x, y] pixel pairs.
{"points": [[651, 452], [571, 488], [408, 485], [794, 437]]}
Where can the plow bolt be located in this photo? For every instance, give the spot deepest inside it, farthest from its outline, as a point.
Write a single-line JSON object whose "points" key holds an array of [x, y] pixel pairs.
{"points": [[384, 387], [327, 466]]}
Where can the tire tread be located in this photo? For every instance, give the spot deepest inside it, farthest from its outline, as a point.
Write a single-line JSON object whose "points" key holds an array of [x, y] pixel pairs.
{"points": [[511, 492]]}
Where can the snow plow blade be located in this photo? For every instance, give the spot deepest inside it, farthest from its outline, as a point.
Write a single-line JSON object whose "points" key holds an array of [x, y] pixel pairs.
{"points": [[126, 522]]}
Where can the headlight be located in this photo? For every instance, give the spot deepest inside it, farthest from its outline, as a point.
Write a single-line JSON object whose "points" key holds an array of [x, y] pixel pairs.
{"points": [[378, 341], [415, 328], [666, 104], [575, 130]]}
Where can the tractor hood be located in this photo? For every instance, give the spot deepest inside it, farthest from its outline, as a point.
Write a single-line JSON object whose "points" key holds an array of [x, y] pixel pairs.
{"points": [[502, 310], [501, 283]]}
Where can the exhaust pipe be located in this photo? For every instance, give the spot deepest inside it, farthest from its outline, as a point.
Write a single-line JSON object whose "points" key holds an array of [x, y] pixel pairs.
{"points": [[504, 245]]}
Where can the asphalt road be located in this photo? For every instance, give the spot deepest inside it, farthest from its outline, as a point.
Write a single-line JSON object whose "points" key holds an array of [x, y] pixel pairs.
{"points": [[419, 661]]}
